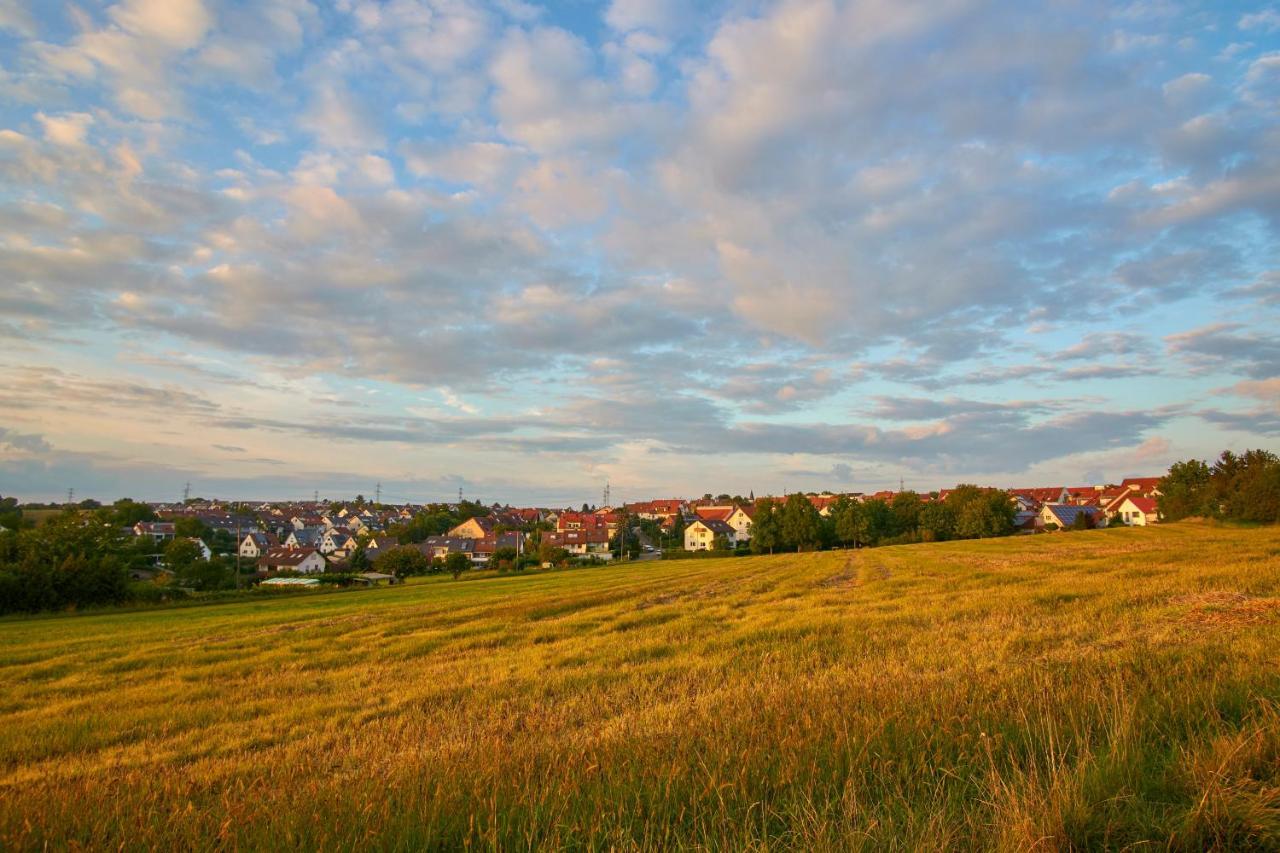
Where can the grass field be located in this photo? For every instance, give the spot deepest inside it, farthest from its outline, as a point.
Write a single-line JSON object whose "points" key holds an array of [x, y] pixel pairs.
{"points": [[1087, 690]]}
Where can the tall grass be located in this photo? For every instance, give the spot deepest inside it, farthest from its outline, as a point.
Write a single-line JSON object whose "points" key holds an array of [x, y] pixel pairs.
{"points": [[1076, 691]]}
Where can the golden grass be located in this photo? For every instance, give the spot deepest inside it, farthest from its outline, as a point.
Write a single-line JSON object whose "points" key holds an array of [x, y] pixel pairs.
{"points": [[1075, 691]]}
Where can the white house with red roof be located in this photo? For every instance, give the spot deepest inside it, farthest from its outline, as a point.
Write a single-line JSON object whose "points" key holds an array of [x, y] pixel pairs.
{"points": [[1137, 511]]}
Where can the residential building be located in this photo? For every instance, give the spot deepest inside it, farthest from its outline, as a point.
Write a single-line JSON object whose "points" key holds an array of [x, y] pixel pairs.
{"points": [[701, 534], [255, 544], [303, 560], [160, 531], [1137, 512]]}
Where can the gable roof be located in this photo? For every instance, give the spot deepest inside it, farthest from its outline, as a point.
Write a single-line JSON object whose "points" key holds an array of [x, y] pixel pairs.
{"points": [[1066, 514], [1144, 505], [715, 525], [286, 556]]}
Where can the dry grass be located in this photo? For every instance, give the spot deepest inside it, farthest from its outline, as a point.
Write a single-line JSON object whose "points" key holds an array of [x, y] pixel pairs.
{"points": [[1080, 691]]}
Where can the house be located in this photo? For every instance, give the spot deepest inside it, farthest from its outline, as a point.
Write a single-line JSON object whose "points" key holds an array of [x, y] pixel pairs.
{"points": [[255, 544], [336, 540], [823, 503], [701, 535], [714, 513], [474, 528], [442, 546], [160, 531], [1145, 486], [1025, 521], [655, 510], [740, 521], [590, 542], [1137, 512], [307, 561], [379, 544], [1065, 515], [485, 547], [1084, 495], [581, 521], [1037, 497], [306, 538]]}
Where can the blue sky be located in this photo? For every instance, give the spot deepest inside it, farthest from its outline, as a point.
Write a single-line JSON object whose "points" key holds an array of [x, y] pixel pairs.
{"points": [[283, 246]]}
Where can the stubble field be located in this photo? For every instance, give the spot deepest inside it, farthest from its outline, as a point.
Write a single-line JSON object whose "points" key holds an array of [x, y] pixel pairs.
{"points": [[1084, 690]]}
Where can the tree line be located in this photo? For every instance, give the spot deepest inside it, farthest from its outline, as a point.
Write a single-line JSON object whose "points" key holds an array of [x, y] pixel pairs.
{"points": [[969, 512], [1236, 487]]}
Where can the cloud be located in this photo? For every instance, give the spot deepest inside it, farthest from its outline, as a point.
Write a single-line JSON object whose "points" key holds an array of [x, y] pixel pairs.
{"points": [[68, 129], [1228, 347], [23, 442]]}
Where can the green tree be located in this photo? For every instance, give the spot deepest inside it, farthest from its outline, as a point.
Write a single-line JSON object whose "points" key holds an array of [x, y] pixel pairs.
{"points": [[846, 520], [905, 509], [403, 562], [876, 521], [766, 532], [359, 559], [555, 555], [10, 513], [1185, 491], [937, 521], [800, 523], [189, 527], [981, 512], [456, 563], [127, 512], [180, 555], [1245, 486]]}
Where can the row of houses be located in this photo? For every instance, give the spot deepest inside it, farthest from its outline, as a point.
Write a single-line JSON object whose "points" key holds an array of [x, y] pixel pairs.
{"points": [[308, 536]]}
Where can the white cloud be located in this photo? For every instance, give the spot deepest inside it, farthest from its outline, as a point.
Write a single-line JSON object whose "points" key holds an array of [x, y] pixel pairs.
{"points": [[1267, 20], [660, 16], [178, 24], [337, 119], [67, 129]]}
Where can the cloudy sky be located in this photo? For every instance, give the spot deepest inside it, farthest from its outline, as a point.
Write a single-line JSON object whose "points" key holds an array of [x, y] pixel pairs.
{"points": [[278, 246]]}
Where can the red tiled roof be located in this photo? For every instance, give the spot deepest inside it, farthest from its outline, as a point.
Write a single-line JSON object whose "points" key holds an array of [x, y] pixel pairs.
{"points": [[1145, 505]]}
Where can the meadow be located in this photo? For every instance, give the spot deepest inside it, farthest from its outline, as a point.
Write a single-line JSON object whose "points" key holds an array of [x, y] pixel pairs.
{"points": [[1090, 690]]}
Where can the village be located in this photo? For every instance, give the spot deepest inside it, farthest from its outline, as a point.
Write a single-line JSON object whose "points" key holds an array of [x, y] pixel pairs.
{"points": [[312, 537]]}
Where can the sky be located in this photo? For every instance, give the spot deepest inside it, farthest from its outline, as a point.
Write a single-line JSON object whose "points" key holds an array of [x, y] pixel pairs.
{"points": [[280, 247]]}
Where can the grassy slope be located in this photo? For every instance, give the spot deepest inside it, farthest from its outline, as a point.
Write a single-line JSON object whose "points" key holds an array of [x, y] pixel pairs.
{"points": [[1089, 689]]}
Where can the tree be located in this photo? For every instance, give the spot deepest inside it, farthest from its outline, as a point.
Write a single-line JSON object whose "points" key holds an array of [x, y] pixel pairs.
{"points": [[982, 512], [1185, 491], [1246, 487], [876, 521], [456, 563], [937, 521], [189, 527], [905, 512], [504, 557], [180, 555], [800, 524], [127, 512], [548, 553], [846, 520], [1083, 521], [766, 533], [359, 559], [10, 513], [403, 562]]}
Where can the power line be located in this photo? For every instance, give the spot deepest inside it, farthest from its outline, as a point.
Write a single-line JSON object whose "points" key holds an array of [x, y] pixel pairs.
{"points": [[377, 493], [186, 492], [71, 496]]}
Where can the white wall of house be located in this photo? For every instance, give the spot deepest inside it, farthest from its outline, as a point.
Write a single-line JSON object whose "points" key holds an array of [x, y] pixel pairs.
{"points": [[1128, 513]]}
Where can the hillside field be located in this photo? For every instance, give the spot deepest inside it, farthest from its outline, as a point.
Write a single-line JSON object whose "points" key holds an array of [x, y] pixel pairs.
{"points": [[1085, 690]]}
